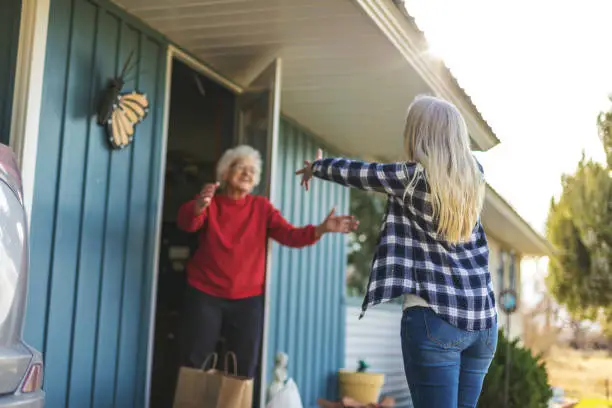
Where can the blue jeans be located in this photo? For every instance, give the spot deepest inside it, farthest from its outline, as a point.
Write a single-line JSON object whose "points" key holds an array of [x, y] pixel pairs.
{"points": [[445, 366]]}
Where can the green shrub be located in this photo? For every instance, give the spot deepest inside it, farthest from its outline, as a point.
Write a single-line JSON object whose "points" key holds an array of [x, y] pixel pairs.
{"points": [[529, 386]]}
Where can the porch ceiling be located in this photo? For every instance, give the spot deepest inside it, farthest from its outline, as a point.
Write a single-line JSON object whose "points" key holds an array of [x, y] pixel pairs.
{"points": [[342, 77]]}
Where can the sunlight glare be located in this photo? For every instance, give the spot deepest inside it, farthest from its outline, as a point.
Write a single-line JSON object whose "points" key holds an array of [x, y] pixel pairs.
{"points": [[435, 49], [520, 64]]}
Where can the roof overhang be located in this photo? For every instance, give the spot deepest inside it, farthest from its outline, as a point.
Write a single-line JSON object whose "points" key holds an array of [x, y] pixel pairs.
{"points": [[399, 27], [499, 218], [508, 228], [350, 69]]}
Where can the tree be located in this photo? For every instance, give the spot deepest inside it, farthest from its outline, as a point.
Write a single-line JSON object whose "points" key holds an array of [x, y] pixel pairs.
{"points": [[604, 126], [579, 226], [368, 208]]}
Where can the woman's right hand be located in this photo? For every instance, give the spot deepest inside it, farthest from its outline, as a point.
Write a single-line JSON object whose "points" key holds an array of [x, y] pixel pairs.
{"points": [[306, 171], [205, 197]]}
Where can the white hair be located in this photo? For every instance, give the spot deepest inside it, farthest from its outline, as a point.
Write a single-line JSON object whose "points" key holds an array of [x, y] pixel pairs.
{"points": [[231, 156], [437, 139]]}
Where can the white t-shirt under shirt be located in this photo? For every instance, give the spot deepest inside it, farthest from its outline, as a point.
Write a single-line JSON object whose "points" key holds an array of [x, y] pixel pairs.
{"points": [[411, 300]]}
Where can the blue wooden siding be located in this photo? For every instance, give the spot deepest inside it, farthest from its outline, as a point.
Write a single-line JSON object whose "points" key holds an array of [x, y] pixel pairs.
{"points": [[307, 317], [93, 219], [10, 16]]}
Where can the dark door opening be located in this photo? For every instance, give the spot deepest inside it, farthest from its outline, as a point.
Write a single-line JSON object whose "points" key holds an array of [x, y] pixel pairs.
{"points": [[205, 119], [200, 127], [10, 17]]}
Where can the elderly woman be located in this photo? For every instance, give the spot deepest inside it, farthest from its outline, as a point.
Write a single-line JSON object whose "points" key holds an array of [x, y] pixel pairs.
{"points": [[226, 274]]}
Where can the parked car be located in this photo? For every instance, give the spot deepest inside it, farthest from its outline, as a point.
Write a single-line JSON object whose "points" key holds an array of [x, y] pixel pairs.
{"points": [[21, 366]]}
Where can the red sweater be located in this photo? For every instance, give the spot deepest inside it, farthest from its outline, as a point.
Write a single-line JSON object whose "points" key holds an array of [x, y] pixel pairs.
{"points": [[231, 256]]}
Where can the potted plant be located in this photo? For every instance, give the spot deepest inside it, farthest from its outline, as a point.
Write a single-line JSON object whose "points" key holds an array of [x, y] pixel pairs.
{"points": [[361, 385]]}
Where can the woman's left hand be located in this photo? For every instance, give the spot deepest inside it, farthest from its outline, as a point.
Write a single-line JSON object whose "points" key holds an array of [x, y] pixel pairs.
{"points": [[306, 171], [337, 223]]}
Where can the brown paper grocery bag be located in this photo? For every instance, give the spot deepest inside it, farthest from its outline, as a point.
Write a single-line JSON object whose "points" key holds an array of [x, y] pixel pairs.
{"points": [[200, 388], [235, 391]]}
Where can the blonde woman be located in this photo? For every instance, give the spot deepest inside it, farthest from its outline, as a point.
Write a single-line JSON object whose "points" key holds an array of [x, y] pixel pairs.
{"points": [[432, 251]]}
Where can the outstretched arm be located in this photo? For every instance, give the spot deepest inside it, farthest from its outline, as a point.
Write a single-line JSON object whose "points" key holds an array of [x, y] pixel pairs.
{"points": [[286, 234], [392, 178]]}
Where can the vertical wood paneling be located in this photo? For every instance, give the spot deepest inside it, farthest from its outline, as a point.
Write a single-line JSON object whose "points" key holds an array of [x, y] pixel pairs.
{"points": [[309, 323], [322, 319], [92, 226], [307, 288], [132, 240], [113, 256], [141, 190], [302, 272], [10, 16], [45, 191], [69, 209], [151, 206], [339, 334], [92, 252]]}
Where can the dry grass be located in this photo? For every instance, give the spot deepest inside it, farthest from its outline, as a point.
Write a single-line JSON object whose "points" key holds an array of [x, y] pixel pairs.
{"points": [[581, 374]]}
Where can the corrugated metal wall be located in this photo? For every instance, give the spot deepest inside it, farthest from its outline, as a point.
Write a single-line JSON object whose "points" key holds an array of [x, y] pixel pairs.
{"points": [[307, 319], [93, 216], [10, 13], [376, 340]]}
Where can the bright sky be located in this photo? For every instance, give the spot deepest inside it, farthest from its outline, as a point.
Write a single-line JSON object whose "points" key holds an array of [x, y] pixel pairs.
{"points": [[539, 72]]}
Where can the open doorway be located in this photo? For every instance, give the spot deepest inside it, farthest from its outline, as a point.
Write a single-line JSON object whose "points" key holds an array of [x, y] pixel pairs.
{"points": [[201, 126], [205, 119]]}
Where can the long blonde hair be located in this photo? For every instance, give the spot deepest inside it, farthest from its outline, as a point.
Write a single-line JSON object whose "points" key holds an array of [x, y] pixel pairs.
{"points": [[436, 138]]}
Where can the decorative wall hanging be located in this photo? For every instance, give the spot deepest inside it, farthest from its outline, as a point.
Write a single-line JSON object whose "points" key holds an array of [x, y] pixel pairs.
{"points": [[121, 112]]}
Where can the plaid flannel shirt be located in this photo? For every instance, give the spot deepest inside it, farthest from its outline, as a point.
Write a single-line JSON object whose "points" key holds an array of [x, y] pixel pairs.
{"points": [[410, 256]]}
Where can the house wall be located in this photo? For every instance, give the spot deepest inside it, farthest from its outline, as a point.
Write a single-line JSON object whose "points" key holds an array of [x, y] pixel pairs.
{"points": [[94, 212], [307, 319], [10, 12], [500, 275], [94, 219]]}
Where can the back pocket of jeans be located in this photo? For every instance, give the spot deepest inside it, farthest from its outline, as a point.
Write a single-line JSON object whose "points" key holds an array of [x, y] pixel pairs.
{"points": [[492, 339], [443, 333]]}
